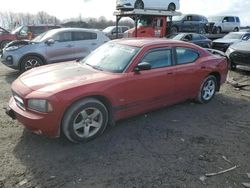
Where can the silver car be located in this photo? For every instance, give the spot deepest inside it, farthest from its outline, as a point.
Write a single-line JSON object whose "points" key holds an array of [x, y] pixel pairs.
{"points": [[56, 45]]}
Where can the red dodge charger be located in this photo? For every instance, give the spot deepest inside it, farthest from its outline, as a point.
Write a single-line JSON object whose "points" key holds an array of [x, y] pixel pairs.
{"points": [[120, 79]]}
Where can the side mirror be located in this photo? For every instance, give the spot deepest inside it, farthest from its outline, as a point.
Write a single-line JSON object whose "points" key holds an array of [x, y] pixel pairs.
{"points": [[142, 66], [50, 42]]}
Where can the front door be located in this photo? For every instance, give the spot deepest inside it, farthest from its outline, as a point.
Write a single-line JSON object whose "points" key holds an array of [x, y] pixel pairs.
{"points": [[150, 89]]}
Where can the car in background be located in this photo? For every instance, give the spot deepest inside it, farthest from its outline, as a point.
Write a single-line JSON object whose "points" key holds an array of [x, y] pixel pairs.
{"points": [[222, 44], [239, 54], [122, 78], [223, 24], [170, 5], [189, 23], [52, 46], [24, 32], [194, 38], [111, 31]]}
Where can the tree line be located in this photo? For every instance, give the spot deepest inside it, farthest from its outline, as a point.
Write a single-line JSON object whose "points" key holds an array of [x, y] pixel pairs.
{"points": [[10, 20]]}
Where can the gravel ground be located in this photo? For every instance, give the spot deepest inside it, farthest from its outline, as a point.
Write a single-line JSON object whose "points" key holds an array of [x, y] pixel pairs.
{"points": [[171, 147]]}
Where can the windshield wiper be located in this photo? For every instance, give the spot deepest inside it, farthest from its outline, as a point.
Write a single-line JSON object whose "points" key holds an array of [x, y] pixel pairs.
{"points": [[95, 67]]}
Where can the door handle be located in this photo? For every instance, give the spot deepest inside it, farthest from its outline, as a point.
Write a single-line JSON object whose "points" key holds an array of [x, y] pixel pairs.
{"points": [[93, 43], [203, 67], [170, 73], [69, 46]]}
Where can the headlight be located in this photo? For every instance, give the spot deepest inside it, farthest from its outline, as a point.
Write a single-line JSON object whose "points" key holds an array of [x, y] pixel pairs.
{"points": [[229, 51], [39, 105], [12, 48]]}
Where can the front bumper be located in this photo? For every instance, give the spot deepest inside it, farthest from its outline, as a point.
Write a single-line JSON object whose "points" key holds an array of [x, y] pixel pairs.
{"points": [[45, 124], [9, 60]]}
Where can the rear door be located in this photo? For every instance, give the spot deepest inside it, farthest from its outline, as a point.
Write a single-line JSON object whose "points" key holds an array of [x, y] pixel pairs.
{"points": [[62, 49], [152, 88], [84, 43], [187, 74]]}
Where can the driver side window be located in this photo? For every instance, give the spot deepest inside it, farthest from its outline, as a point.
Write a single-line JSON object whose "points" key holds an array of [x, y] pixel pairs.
{"points": [[158, 58]]}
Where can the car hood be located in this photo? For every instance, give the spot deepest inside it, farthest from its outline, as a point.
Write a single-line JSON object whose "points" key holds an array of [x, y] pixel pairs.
{"points": [[242, 46], [60, 76], [228, 41]]}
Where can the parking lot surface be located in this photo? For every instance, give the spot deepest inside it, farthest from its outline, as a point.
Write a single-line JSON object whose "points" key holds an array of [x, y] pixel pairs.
{"points": [[171, 147]]}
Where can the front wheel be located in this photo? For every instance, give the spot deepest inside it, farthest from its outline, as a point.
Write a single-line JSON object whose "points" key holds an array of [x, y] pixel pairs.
{"points": [[207, 89], [31, 62], [232, 66], [85, 120]]}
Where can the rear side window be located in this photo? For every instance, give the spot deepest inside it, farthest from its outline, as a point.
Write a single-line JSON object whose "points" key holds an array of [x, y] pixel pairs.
{"points": [[158, 58], [84, 36], [186, 55]]}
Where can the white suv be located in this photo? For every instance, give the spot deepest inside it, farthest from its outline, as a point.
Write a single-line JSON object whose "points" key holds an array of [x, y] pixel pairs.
{"points": [[170, 5], [225, 23]]}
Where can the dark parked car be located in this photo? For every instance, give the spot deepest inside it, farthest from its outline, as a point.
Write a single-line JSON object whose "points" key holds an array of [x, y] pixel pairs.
{"points": [[222, 44], [239, 54], [189, 23], [120, 79], [194, 38]]}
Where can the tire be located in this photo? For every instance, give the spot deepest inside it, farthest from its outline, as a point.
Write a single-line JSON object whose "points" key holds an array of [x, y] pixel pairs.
{"points": [[236, 29], [218, 30], [202, 30], [232, 66], [139, 5], [85, 120], [171, 7], [174, 30], [30, 62], [4, 43], [207, 89]]}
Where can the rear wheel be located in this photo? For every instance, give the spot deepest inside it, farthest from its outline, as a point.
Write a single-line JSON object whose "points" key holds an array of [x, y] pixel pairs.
{"points": [[171, 7], [207, 89], [85, 120], [202, 30], [174, 29], [236, 29], [31, 62], [139, 4]]}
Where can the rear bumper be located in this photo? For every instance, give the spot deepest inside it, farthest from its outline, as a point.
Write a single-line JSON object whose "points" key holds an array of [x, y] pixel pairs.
{"points": [[45, 124]]}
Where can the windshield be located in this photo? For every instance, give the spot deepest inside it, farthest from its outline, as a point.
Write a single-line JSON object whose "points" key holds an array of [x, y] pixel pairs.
{"points": [[215, 19], [178, 18], [233, 36], [111, 57], [17, 30], [44, 36], [108, 29]]}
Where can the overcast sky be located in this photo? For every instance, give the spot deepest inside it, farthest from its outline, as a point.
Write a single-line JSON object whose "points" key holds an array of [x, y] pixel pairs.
{"points": [[64, 9]]}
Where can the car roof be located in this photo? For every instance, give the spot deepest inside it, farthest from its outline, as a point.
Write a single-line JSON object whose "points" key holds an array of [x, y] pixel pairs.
{"points": [[75, 29], [143, 42]]}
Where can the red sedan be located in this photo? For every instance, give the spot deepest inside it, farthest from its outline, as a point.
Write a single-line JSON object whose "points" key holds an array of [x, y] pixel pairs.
{"points": [[120, 79]]}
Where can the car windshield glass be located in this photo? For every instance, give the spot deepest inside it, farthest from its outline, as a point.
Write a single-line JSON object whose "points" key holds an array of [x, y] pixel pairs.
{"points": [[177, 36], [215, 19], [17, 30], [233, 36], [108, 29], [178, 18], [111, 57], [44, 36]]}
